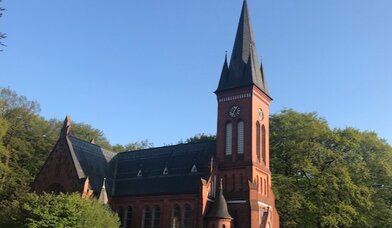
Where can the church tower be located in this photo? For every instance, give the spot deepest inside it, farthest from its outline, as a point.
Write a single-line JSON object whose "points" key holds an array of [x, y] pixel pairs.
{"points": [[243, 133]]}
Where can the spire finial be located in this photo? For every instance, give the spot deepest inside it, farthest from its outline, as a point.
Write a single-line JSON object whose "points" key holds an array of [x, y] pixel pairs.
{"points": [[66, 129], [104, 183], [103, 196], [211, 164], [221, 184]]}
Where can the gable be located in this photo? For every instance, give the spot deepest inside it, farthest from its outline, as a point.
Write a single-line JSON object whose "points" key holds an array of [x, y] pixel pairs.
{"points": [[58, 171]]}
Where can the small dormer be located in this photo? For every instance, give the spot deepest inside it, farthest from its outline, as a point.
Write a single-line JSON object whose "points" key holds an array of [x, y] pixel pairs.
{"points": [[140, 173], [194, 169], [165, 171]]}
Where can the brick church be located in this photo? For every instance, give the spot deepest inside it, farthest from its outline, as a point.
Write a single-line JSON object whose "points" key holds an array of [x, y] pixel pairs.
{"points": [[217, 184]]}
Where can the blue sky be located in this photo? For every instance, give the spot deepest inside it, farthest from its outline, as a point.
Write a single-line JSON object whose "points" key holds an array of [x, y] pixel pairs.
{"points": [[147, 69]]}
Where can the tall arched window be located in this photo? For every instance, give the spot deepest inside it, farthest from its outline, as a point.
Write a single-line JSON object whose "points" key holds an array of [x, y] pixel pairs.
{"points": [[187, 216], [157, 216], [258, 141], [241, 182], [257, 181], [128, 223], [225, 182], [265, 188], [176, 217], [121, 216], [240, 137], [261, 185], [55, 188], [263, 143], [229, 138], [233, 182], [147, 217]]}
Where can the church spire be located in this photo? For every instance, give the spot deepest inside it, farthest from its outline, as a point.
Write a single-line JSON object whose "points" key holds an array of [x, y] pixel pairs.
{"points": [[244, 68]]}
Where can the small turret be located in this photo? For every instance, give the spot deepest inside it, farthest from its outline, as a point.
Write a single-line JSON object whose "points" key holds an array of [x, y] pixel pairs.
{"points": [[218, 215]]}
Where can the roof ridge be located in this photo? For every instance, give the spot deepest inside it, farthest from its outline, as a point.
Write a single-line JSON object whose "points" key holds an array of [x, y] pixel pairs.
{"points": [[168, 146], [82, 140]]}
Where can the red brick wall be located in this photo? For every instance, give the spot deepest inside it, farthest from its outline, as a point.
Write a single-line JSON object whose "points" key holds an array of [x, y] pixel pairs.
{"points": [[166, 204], [231, 168], [58, 169]]}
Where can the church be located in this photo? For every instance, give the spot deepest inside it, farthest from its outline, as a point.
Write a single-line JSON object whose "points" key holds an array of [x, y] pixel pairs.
{"points": [[224, 183]]}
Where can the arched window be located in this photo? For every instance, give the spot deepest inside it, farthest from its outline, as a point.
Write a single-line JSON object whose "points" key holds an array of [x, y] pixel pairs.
{"points": [[225, 182], [55, 188], [147, 217], [257, 181], [229, 138], [121, 216], [187, 216], [128, 223], [157, 216], [223, 226], [233, 182], [241, 182], [176, 217], [263, 143], [240, 137], [265, 188], [258, 141], [261, 185]]}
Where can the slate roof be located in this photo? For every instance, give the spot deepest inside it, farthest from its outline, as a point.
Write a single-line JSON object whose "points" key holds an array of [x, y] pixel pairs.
{"points": [[92, 160], [121, 169], [178, 160], [244, 68]]}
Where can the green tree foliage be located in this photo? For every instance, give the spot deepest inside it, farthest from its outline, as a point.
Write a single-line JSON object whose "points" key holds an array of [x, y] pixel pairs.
{"points": [[326, 178], [198, 138], [26, 139], [138, 145], [87, 133], [47, 210]]}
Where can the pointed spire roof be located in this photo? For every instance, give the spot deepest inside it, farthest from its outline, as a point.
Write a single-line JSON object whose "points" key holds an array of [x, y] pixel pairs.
{"points": [[103, 196], [219, 208], [244, 68], [66, 129]]}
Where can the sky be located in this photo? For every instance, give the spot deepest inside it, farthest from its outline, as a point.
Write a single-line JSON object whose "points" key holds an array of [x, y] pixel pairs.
{"points": [[147, 69]]}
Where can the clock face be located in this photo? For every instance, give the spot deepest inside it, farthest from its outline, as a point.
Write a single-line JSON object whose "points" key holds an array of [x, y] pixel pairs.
{"points": [[261, 114], [234, 111]]}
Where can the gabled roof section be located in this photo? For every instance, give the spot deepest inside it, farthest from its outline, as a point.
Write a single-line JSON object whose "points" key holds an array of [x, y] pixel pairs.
{"points": [[244, 68], [178, 160], [92, 161]]}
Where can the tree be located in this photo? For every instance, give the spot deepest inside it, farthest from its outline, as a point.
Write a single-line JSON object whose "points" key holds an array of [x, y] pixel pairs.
{"points": [[2, 35], [324, 177], [48, 210], [138, 145], [87, 133], [4, 153], [198, 138]]}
